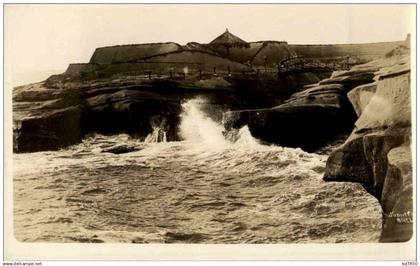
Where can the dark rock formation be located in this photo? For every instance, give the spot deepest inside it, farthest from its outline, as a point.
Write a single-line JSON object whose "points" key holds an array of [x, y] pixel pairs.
{"points": [[52, 115], [309, 119], [128, 110], [53, 130], [121, 149], [346, 163], [378, 152]]}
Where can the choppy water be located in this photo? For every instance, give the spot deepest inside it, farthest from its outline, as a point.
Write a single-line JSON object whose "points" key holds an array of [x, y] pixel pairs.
{"points": [[205, 189]]}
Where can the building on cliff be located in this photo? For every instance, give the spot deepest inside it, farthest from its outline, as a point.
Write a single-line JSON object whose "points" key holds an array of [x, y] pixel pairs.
{"points": [[226, 41], [225, 54]]}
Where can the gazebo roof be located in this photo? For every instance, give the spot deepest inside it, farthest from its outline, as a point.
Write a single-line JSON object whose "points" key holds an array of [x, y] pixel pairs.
{"points": [[228, 38]]}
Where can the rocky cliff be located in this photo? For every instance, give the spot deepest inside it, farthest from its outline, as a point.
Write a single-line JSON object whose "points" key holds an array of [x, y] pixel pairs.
{"points": [[310, 118], [61, 110], [372, 104], [53, 114], [378, 151]]}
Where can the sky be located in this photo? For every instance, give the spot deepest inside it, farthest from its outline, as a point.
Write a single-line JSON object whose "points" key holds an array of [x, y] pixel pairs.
{"points": [[41, 40]]}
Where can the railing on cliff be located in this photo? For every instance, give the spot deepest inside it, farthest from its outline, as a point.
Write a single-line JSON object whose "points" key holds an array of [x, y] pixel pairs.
{"points": [[301, 64], [191, 70]]}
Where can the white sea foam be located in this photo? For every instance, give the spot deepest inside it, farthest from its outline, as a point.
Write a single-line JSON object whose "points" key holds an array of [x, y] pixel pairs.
{"points": [[212, 187], [201, 130]]}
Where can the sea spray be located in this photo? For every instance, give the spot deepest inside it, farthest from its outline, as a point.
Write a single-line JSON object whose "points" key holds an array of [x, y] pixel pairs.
{"points": [[198, 128], [159, 126], [157, 135]]}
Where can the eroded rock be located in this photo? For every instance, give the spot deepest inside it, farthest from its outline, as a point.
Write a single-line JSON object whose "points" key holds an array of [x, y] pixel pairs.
{"points": [[309, 119], [361, 95], [378, 152], [397, 196]]}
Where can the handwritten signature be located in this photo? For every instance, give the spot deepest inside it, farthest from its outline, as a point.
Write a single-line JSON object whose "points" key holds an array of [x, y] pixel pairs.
{"points": [[402, 218]]}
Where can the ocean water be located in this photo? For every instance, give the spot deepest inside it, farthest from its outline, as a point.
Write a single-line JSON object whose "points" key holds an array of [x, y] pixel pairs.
{"points": [[210, 188]]}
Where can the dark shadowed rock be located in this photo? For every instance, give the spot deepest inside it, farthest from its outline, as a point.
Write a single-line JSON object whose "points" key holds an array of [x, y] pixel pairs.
{"points": [[309, 119], [53, 130], [345, 163], [121, 149], [129, 111], [49, 118]]}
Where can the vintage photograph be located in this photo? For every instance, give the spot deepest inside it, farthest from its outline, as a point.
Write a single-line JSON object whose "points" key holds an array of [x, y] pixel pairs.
{"points": [[211, 124]]}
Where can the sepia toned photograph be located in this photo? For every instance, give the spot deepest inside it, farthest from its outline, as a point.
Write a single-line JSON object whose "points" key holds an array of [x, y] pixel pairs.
{"points": [[216, 124]]}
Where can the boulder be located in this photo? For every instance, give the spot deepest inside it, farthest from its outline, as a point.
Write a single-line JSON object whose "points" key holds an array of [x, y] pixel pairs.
{"points": [[120, 149]]}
